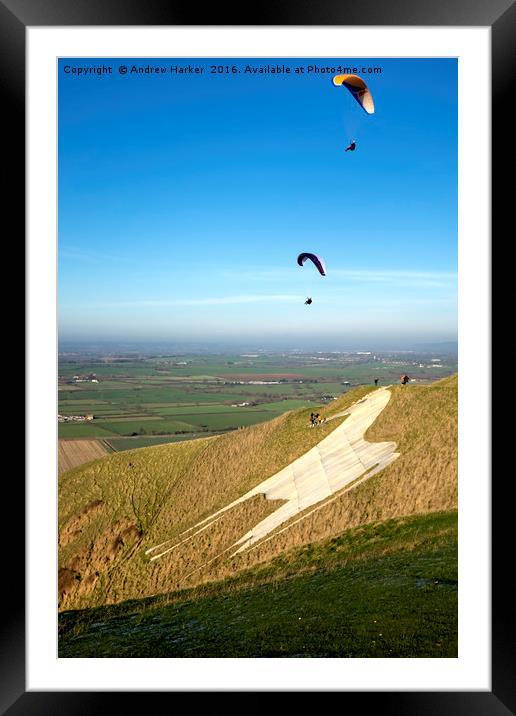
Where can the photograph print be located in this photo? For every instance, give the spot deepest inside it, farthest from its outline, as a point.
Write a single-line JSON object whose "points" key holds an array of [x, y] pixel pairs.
{"points": [[257, 359]]}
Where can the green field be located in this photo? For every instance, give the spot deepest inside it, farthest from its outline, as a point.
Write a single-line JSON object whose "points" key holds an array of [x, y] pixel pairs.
{"points": [[82, 430], [151, 426], [385, 590]]}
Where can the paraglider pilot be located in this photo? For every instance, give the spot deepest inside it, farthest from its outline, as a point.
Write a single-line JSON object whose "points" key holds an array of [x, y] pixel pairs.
{"points": [[319, 264], [351, 147]]}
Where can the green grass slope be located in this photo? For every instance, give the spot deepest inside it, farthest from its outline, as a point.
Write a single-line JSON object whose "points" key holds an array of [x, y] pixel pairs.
{"points": [[382, 590]]}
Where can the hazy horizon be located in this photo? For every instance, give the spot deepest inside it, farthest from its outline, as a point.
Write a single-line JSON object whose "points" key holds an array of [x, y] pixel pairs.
{"points": [[120, 346]]}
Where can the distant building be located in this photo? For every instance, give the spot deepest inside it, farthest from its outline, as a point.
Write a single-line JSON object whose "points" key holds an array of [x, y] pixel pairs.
{"points": [[92, 378], [74, 418]]}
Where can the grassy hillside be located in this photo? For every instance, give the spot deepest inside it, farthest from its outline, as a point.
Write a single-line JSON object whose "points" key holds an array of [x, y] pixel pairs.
{"points": [[383, 590], [115, 508], [423, 421]]}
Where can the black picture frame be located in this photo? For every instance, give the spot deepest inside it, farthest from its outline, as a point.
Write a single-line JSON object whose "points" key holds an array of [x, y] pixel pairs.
{"points": [[500, 16]]}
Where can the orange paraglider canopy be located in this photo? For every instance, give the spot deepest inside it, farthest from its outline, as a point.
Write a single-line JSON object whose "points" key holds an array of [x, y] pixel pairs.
{"points": [[358, 89]]}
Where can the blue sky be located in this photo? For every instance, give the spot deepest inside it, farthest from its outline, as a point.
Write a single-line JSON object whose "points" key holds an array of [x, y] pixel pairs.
{"points": [[184, 201]]}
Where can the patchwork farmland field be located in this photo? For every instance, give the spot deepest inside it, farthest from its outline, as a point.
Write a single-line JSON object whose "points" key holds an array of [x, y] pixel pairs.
{"points": [[82, 430], [166, 398], [73, 453]]}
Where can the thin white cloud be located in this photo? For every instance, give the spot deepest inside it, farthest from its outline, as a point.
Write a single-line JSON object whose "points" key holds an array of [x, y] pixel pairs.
{"points": [[426, 278]]}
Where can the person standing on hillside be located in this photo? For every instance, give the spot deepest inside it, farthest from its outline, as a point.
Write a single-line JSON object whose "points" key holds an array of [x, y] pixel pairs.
{"points": [[376, 382]]}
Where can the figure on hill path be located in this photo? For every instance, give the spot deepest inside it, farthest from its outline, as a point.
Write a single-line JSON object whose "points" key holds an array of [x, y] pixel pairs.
{"points": [[376, 381]]}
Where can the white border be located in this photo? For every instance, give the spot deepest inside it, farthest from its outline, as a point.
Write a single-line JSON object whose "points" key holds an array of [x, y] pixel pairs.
{"points": [[471, 670]]}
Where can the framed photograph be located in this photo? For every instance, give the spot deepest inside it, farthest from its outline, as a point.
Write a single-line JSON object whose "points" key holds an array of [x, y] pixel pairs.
{"points": [[226, 221]]}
